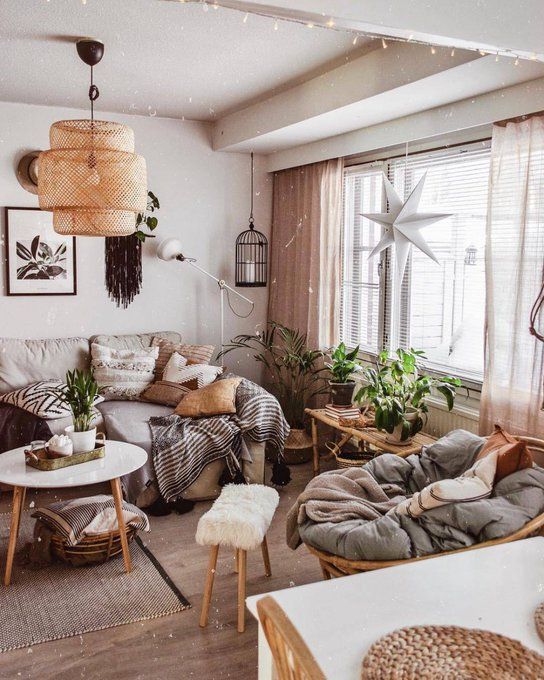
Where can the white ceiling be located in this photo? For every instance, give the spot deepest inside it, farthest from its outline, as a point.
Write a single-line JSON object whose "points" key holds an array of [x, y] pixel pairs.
{"points": [[162, 58]]}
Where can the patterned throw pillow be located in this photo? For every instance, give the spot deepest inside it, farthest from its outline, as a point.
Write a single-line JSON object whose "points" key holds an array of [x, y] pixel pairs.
{"points": [[41, 399], [123, 373], [192, 376], [195, 354], [74, 519]]}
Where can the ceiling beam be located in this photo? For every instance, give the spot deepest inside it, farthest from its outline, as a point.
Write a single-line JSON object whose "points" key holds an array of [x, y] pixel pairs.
{"points": [[493, 25], [510, 102]]}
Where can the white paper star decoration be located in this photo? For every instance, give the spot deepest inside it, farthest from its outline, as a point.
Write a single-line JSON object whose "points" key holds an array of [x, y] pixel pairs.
{"points": [[402, 224]]}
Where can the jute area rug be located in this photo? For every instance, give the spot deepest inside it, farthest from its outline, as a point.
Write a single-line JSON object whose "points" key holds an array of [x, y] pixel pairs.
{"points": [[60, 601]]}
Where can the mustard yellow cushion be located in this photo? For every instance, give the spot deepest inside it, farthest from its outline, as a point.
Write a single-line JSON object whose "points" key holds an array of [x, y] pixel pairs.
{"points": [[216, 399]]}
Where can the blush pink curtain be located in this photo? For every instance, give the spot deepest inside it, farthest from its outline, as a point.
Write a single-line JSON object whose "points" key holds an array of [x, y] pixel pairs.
{"points": [[513, 382], [305, 250]]}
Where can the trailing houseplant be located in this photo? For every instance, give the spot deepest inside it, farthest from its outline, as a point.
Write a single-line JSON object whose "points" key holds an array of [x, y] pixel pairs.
{"points": [[79, 394], [294, 371], [398, 391], [342, 365]]}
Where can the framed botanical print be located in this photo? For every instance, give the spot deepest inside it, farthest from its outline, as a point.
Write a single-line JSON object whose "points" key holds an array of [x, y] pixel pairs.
{"points": [[39, 261]]}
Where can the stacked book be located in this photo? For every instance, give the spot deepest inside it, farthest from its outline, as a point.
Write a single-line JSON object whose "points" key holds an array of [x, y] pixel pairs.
{"points": [[344, 412]]}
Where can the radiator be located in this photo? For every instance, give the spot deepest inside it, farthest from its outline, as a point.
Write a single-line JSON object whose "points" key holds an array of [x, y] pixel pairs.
{"points": [[441, 421]]}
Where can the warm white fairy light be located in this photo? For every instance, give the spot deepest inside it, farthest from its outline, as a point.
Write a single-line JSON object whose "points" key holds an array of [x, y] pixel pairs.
{"points": [[516, 63], [310, 25], [330, 23], [246, 17], [482, 52], [276, 25], [497, 57], [384, 44], [433, 49], [410, 37], [354, 41], [453, 52]]}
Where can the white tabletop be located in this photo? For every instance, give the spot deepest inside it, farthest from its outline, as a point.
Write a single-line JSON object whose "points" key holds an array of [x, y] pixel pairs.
{"points": [[494, 589], [120, 459]]}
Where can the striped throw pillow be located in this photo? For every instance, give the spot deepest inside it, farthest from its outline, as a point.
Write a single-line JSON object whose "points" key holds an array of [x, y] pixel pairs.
{"points": [[74, 519], [41, 399], [195, 354]]}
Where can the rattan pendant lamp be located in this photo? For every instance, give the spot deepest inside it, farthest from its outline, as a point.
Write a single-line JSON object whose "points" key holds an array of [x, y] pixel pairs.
{"points": [[91, 179]]}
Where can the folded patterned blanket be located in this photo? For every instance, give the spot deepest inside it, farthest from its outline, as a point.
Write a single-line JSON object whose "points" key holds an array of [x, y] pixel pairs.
{"points": [[340, 496], [183, 447]]}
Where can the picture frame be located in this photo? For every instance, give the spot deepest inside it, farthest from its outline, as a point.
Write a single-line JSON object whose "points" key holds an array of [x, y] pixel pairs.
{"points": [[38, 260]]}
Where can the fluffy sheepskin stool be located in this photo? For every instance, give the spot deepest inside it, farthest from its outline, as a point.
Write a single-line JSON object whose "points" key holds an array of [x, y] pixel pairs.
{"points": [[238, 519]]}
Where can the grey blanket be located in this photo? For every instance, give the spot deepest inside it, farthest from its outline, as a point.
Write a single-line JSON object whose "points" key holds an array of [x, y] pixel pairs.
{"points": [[338, 496], [515, 500], [182, 447]]}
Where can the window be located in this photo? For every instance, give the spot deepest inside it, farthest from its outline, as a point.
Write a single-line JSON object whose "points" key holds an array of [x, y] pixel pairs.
{"points": [[441, 307]]}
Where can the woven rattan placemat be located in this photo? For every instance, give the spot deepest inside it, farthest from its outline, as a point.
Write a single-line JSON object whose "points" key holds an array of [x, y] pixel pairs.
{"points": [[425, 652]]}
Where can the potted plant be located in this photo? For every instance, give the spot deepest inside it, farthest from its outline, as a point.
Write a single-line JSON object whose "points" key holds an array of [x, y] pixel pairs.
{"points": [[295, 374], [342, 366], [79, 394], [398, 392]]}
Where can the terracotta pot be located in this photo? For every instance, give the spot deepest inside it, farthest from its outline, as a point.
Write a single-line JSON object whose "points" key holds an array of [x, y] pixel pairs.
{"points": [[395, 437], [342, 393], [298, 447]]}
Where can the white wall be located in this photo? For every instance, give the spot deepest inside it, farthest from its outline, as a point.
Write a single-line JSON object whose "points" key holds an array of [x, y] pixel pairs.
{"points": [[204, 202]]}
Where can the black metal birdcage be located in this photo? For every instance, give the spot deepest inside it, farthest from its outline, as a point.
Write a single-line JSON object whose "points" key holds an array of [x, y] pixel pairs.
{"points": [[251, 253]]}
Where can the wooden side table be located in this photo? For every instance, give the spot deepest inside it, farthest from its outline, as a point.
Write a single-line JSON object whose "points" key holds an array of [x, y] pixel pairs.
{"points": [[368, 435]]}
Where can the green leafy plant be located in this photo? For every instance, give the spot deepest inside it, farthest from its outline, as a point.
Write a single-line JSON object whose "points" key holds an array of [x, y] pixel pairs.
{"points": [[343, 363], [79, 394], [147, 219], [397, 387], [42, 262], [293, 368]]}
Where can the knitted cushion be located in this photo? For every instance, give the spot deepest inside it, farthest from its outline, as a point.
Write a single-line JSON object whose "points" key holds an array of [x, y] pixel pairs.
{"points": [[240, 517]]}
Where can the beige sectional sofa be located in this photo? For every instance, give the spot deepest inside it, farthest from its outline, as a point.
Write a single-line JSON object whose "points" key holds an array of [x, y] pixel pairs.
{"points": [[26, 361]]}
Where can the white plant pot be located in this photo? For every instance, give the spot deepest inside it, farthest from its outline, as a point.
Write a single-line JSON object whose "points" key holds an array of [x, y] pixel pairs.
{"points": [[81, 441], [395, 436]]}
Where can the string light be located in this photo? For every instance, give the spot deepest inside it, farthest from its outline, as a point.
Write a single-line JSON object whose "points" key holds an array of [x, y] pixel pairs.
{"points": [[354, 41], [410, 37], [330, 23], [246, 17], [433, 49], [497, 57], [276, 25], [482, 52], [310, 25], [516, 63], [453, 52], [384, 44]]}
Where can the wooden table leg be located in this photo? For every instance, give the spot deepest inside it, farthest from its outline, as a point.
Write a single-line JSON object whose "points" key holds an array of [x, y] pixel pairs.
{"points": [[18, 500], [315, 447], [118, 500]]}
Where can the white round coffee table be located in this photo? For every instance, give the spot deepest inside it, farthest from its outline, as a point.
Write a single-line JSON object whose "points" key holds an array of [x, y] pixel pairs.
{"points": [[120, 459]]}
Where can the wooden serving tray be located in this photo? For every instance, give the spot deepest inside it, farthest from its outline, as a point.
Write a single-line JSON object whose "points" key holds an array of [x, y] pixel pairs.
{"points": [[39, 459]]}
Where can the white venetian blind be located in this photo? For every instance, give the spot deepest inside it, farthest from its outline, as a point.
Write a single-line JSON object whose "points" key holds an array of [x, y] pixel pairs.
{"points": [[442, 306], [360, 295]]}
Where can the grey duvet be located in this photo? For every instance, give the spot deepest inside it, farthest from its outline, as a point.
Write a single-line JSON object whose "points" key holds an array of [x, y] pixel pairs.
{"points": [[515, 500]]}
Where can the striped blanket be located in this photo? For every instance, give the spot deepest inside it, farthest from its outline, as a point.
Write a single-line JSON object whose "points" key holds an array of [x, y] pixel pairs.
{"points": [[182, 447]]}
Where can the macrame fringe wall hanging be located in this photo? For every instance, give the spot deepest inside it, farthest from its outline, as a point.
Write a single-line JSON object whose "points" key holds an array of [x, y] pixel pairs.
{"points": [[123, 269], [123, 257]]}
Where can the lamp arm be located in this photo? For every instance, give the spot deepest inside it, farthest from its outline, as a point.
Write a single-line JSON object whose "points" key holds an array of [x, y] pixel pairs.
{"points": [[220, 282]]}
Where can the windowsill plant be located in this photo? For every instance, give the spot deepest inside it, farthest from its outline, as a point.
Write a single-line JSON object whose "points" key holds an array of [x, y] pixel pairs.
{"points": [[398, 392], [342, 365]]}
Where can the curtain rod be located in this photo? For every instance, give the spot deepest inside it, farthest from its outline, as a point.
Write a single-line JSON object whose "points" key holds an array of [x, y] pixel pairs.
{"points": [[518, 119]]}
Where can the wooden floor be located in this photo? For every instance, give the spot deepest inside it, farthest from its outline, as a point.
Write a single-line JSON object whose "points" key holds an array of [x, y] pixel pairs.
{"points": [[174, 647]]}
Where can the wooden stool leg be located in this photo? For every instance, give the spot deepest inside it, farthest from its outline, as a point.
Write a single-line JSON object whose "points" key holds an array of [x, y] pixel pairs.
{"points": [[212, 563], [236, 564], [242, 559], [18, 499], [315, 447], [266, 557], [118, 500]]}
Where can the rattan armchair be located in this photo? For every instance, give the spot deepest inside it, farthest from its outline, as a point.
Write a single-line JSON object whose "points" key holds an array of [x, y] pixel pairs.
{"points": [[292, 658], [334, 566]]}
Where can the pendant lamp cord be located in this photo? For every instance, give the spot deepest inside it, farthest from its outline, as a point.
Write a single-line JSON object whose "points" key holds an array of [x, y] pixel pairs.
{"points": [[251, 220], [93, 95]]}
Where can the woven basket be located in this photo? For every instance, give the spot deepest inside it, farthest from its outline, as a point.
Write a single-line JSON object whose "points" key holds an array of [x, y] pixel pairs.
{"points": [[91, 549], [344, 461], [297, 447]]}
